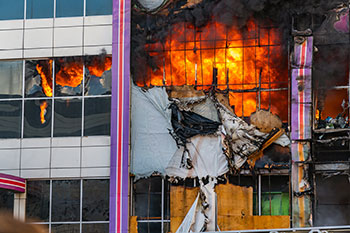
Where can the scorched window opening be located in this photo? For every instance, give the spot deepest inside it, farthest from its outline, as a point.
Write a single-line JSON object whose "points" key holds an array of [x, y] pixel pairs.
{"points": [[248, 65]]}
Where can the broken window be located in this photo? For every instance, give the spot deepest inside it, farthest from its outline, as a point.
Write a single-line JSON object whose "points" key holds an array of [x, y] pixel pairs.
{"points": [[69, 74], [98, 76], [331, 82], [38, 78], [249, 64]]}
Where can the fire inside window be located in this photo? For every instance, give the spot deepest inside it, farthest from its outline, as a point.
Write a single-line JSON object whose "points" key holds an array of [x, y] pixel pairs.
{"points": [[248, 64]]}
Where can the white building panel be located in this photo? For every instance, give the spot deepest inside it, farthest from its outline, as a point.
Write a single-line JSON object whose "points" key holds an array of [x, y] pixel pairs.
{"points": [[96, 157], [11, 39], [65, 157], [98, 35], [68, 37], [38, 38], [35, 158], [10, 158]]}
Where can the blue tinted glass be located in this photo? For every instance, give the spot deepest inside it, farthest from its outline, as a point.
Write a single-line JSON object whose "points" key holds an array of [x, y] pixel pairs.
{"points": [[69, 8], [13, 9], [99, 7], [37, 9]]}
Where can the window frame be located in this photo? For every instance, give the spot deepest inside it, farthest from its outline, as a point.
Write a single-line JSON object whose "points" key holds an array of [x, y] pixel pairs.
{"points": [[80, 222], [23, 99], [164, 192]]}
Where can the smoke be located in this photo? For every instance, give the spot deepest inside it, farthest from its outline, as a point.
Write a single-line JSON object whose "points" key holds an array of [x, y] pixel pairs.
{"points": [[153, 28]]}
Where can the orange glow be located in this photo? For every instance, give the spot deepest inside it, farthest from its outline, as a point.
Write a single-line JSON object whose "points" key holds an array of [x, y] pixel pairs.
{"points": [[43, 107], [97, 67], [189, 55], [46, 78], [317, 115], [70, 74]]}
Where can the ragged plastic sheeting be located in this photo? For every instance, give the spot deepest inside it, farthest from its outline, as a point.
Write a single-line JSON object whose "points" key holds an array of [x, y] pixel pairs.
{"points": [[201, 216], [242, 139], [151, 144], [187, 124], [206, 155]]}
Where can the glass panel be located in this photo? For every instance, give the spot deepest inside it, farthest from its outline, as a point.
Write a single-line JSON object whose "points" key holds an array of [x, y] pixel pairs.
{"points": [[10, 119], [69, 8], [149, 227], [38, 78], [65, 228], [148, 197], [37, 118], [13, 9], [38, 197], [95, 200], [37, 9], [99, 7], [67, 117], [6, 200], [96, 228], [97, 114], [98, 79], [11, 73], [68, 76], [65, 200]]}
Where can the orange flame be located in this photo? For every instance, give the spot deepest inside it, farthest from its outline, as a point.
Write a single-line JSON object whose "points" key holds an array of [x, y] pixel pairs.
{"points": [[46, 78], [43, 107], [98, 67], [189, 55], [70, 74]]}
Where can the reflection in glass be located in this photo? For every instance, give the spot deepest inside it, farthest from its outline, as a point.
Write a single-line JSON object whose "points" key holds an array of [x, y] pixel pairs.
{"points": [[68, 76], [37, 118], [65, 228], [99, 7], [65, 200], [95, 200], [37, 9], [69, 8], [13, 9], [98, 75], [96, 228], [97, 113], [67, 119], [10, 119], [38, 197], [6, 200], [38, 78], [11, 73]]}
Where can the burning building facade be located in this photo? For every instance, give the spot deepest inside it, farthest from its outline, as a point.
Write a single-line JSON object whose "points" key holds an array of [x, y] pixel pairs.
{"points": [[213, 116]]}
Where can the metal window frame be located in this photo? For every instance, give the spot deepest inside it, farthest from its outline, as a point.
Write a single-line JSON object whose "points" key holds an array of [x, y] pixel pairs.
{"points": [[162, 219], [80, 222], [53, 98]]}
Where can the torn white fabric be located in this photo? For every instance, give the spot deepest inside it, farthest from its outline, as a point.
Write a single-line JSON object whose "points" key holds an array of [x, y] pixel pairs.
{"points": [[201, 216], [244, 139], [151, 144], [283, 140], [202, 105], [206, 155]]}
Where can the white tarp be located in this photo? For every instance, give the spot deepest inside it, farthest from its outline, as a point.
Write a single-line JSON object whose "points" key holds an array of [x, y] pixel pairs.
{"points": [[201, 217], [151, 144], [206, 155]]}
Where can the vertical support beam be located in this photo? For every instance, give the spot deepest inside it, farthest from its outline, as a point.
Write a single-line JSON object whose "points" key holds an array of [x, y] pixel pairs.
{"points": [[19, 207], [119, 175], [301, 124]]}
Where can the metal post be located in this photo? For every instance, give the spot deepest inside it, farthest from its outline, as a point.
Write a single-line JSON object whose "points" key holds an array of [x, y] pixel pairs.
{"points": [[259, 194]]}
